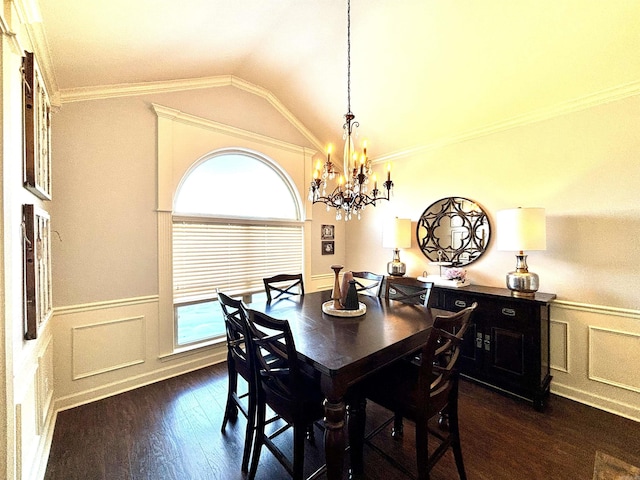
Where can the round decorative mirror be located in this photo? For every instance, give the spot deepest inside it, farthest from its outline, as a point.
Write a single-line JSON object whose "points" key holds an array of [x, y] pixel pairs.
{"points": [[453, 231]]}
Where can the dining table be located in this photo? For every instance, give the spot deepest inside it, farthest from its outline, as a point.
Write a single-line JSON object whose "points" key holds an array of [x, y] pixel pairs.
{"points": [[343, 350]]}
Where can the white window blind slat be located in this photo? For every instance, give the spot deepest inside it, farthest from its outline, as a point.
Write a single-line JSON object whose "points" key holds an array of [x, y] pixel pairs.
{"points": [[232, 257]]}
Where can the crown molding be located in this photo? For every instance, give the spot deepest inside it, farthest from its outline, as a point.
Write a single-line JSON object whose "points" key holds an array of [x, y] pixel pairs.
{"points": [[5, 30], [582, 103], [28, 14], [82, 94], [28, 10]]}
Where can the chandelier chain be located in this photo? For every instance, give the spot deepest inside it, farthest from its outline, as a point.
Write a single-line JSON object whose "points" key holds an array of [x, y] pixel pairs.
{"points": [[349, 56]]}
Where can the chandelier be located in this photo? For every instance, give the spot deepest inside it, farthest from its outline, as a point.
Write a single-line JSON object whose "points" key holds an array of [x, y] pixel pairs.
{"points": [[352, 194]]}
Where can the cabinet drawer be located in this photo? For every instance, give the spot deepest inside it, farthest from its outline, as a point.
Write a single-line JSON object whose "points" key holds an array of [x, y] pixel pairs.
{"points": [[455, 302], [516, 311]]}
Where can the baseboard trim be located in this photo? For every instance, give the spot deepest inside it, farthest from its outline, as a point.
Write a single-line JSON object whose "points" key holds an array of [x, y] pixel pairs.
{"points": [[131, 383], [632, 412]]}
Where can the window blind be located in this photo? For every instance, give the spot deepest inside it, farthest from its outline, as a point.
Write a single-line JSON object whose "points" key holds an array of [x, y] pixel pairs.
{"points": [[232, 257]]}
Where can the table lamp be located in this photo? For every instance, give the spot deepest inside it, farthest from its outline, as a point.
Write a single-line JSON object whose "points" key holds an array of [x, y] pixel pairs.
{"points": [[397, 235], [521, 229]]}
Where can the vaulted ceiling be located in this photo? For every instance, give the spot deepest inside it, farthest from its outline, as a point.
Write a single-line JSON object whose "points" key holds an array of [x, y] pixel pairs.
{"points": [[422, 71]]}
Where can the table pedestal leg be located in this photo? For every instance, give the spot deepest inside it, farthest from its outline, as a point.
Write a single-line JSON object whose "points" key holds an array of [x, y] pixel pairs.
{"points": [[334, 441]]}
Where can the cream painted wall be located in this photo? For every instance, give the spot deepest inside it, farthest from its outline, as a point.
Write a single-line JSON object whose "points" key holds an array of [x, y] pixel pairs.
{"points": [[104, 246], [583, 168], [321, 264]]}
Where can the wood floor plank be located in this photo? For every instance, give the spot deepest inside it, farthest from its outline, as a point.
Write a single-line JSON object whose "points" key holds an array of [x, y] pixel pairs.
{"points": [[171, 431]]}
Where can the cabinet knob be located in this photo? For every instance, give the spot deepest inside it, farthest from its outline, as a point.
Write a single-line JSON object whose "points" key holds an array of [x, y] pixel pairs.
{"points": [[460, 303], [509, 312]]}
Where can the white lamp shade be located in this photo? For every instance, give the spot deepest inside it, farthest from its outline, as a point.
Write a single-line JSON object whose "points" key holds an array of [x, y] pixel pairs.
{"points": [[522, 229], [397, 233]]}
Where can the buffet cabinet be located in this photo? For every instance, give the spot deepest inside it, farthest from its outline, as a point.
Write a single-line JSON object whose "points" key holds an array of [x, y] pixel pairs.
{"points": [[507, 344]]}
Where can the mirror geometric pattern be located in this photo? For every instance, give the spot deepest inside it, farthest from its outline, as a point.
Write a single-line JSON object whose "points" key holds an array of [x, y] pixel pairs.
{"points": [[453, 230]]}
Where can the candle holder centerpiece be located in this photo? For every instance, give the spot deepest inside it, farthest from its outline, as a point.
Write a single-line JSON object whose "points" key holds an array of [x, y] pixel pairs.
{"points": [[337, 291], [349, 306]]}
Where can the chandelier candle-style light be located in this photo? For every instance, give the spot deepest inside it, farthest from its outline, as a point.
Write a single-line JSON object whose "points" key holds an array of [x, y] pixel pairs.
{"points": [[351, 195]]}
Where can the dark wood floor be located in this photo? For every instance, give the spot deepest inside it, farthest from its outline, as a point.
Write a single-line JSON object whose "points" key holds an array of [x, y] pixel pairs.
{"points": [[171, 430]]}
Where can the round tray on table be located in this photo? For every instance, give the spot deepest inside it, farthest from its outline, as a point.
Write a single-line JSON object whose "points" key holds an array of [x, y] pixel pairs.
{"points": [[327, 307]]}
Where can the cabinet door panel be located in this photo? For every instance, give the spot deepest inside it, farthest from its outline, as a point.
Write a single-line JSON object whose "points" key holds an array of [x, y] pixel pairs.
{"points": [[508, 351], [514, 334]]}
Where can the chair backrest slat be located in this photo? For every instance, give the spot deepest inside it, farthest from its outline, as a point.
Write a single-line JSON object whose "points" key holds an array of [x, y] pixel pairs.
{"points": [[408, 290], [283, 285], [235, 320], [273, 355], [440, 356], [368, 283]]}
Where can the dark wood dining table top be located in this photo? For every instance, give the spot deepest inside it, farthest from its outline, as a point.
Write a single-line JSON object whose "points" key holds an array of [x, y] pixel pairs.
{"points": [[357, 345]]}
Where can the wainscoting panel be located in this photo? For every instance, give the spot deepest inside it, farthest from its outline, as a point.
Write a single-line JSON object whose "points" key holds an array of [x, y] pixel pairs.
{"points": [[106, 348], [559, 332], [103, 347], [595, 352], [614, 358], [32, 405], [45, 383], [27, 427], [321, 282]]}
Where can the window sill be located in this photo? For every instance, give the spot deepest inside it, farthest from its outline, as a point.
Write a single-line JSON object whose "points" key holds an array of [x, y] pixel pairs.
{"points": [[193, 349]]}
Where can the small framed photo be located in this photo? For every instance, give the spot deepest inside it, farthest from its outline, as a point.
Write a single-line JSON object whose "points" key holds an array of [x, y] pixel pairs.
{"points": [[327, 232], [328, 248]]}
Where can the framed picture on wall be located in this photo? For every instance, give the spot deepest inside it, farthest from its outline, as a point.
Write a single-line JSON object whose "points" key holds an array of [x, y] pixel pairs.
{"points": [[37, 269], [327, 232], [37, 130], [328, 248]]}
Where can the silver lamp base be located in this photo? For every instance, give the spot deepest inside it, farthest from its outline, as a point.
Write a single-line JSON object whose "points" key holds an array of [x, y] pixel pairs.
{"points": [[522, 282], [396, 267]]}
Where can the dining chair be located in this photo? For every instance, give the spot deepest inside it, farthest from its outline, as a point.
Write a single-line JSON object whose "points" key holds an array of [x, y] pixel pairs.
{"points": [[283, 387], [421, 390], [235, 320], [283, 285], [408, 290], [368, 283]]}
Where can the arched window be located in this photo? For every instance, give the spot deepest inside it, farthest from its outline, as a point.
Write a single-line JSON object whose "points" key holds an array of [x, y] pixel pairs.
{"points": [[236, 220], [237, 184]]}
